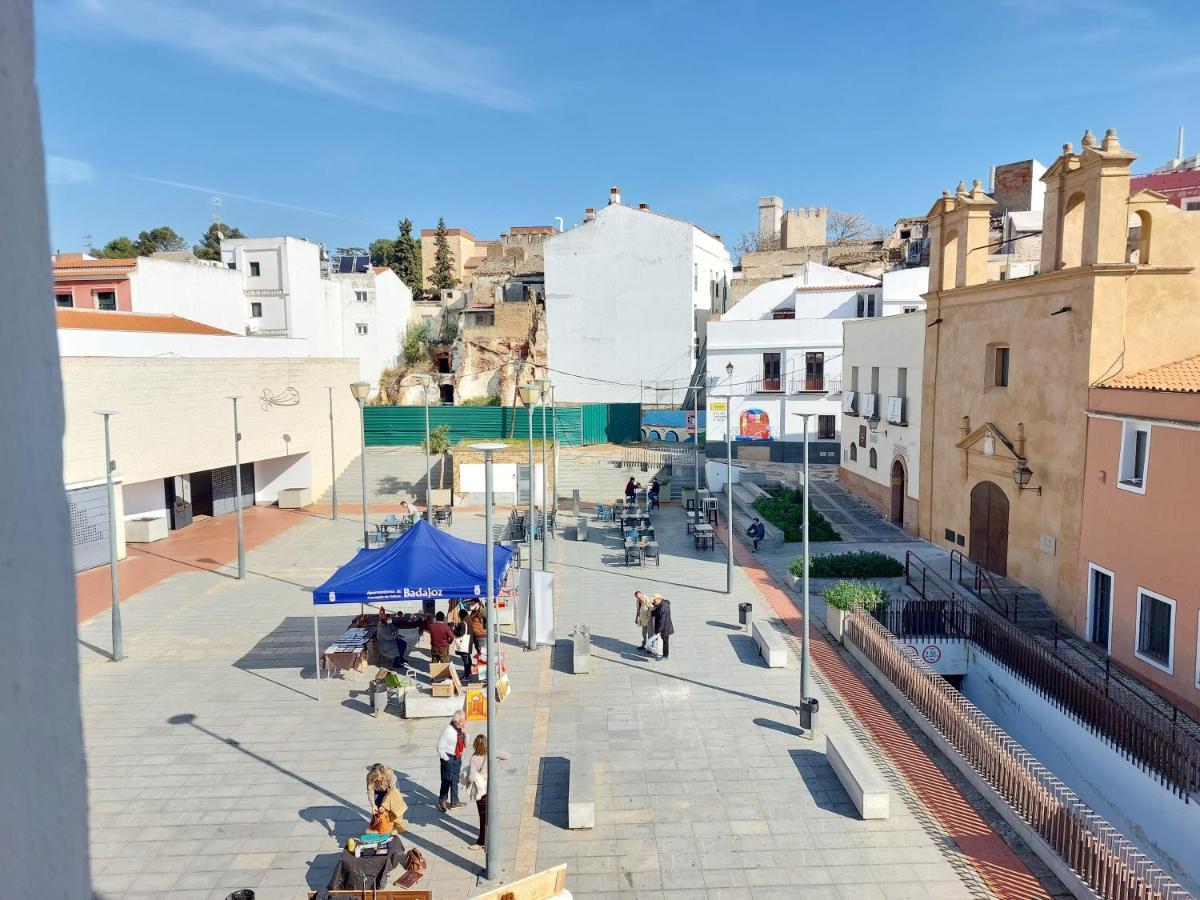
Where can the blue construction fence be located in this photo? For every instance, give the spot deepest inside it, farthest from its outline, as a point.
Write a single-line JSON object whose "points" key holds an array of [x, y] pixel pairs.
{"points": [[575, 426]]}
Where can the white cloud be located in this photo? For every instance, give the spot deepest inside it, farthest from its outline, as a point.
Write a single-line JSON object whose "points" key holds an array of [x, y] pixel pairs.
{"points": [[304, 45], [64, 170]]}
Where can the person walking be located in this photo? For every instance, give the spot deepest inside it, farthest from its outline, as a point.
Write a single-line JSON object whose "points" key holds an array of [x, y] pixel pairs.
{"points": [[477, 627], [441, 636], [382, 794], [643, 617], [450, 747], [456, 619], [757, 531], [662, 624], [474, 779]]}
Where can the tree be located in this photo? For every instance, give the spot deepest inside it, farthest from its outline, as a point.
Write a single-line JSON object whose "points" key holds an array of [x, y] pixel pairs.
{"points": [[210, 242], [439, 443], [383, 252], [753, 242], [117, 248], [442, 274], [417, 337], [163, 237], [841, 227], [406, 262]]}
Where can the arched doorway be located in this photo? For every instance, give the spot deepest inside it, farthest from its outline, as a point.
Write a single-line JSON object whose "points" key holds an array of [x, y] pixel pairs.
{"points": [[989, 527], [898, 491]]}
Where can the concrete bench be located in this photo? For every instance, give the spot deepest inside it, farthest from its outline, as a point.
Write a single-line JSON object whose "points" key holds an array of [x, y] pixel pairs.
{"points": [[581, 650], [581, 792], [420, 705], [862, 781], [770, 644]]}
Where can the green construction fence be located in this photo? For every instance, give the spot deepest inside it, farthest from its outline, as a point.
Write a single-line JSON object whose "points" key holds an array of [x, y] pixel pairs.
{"points": [[592, 423]]}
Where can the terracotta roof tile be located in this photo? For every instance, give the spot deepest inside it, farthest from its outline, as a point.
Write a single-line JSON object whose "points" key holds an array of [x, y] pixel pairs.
{"points": [[1182, 377], [110, 320]]}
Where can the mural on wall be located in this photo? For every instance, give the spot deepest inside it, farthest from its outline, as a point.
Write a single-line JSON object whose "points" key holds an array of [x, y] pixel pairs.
{"points": [[672, 426], [754, 425]]}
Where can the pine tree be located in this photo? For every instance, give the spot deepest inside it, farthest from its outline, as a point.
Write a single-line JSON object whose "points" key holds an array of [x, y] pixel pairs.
{"points": [[406, 258], [210, 242], [442, 275]]}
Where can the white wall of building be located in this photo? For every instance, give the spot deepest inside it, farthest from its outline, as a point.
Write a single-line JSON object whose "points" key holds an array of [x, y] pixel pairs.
{"points": [[902, 290], [42, 770], [274, 475], [174, 416], [889, 344], [384, 310], [621, 296], [144, 498], [203, 292], [504, 480], [95, 342]]}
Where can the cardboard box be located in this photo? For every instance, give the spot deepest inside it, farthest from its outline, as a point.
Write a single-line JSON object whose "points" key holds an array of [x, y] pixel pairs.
{"points": [[443, 680]]}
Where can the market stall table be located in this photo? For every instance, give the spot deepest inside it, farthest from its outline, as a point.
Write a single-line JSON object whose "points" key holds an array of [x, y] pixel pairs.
{"points": [[359, 872], [348, 653]]}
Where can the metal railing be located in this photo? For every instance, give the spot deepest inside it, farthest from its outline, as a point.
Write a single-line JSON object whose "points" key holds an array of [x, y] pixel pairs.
{"points": [[1141, 732], [809, 383], [1006, 603], [673, 460], [1102, 857]]}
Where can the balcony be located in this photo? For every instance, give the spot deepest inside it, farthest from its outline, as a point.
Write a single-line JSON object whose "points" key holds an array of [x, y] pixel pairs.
{"points": [[761, 384], [811, 384]]}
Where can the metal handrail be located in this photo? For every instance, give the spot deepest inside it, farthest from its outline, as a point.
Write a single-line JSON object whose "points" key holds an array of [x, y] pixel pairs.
{"points": [[982, 578], [1142, 731], [1100, 855]]}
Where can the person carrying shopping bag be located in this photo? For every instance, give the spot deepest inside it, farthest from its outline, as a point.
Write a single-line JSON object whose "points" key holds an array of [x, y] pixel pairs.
{"points": [[474, 781]]}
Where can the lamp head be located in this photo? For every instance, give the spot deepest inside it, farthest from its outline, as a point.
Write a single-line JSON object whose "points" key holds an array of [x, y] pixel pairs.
{"points": [[873, 423], [530, 393], [487, 448], [361, 390], [1022, 474], [729, 369]]}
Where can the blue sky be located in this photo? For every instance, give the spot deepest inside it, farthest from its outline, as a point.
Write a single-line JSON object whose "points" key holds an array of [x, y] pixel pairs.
{"points": [[332, 120]]}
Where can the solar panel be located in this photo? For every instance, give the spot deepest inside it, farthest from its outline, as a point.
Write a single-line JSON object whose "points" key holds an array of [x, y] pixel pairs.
{"points": [[345, 264], [362, 264]]}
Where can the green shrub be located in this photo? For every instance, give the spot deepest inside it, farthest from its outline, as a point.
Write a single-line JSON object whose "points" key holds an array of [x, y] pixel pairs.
{"points": [[487, 400], [847, 595], [784, 508], [856, 564]]}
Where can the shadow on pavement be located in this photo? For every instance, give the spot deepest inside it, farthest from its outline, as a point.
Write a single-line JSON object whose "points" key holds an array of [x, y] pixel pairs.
{"points": [[550, 803], [731, 626], [821, 781]]}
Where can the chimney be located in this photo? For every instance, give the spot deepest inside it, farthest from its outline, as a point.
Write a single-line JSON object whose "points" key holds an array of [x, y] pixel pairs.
{"points": [[1179, 145], [614, 196], [643, 206], [589, 214], [718, 237]]}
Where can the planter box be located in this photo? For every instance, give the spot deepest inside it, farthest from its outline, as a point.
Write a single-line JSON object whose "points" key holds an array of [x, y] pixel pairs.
{"points": [[146, 529], [295, 498], [835, 621]]}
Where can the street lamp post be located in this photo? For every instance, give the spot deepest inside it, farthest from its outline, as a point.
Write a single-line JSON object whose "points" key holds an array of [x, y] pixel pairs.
{"points": [[696, 436], [237, 487], [805, 691], [544, 391], [332, 457], [530, 395], [118, 639], [360, 390], [426, 380], [492, 835], [729, 475]]}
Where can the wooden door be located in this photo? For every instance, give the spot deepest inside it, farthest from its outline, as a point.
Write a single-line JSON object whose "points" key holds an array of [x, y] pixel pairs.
{"points": [[898, 489], [989, 527]]}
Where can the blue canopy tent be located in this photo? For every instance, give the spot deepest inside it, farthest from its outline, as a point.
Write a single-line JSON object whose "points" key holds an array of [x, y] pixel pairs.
{"points": [[425, 563]]}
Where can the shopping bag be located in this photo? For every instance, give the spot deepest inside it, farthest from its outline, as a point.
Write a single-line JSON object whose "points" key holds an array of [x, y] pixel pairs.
{"points": [[654, 645]]}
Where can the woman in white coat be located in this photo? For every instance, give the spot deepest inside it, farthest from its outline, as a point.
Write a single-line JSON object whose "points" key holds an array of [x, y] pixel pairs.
{"points": [[474, 781]]}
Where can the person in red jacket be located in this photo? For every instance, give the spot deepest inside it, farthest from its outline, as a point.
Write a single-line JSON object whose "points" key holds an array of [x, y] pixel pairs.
{"points": [[441, 636]]}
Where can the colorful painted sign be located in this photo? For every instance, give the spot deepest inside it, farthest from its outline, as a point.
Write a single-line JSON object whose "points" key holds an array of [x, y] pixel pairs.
{"points": [[754, 425]]}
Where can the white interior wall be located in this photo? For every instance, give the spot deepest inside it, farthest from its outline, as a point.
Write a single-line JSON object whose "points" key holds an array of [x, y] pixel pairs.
{"points": [[144, 498], [504, 479], [43, 794], [274, 475]]}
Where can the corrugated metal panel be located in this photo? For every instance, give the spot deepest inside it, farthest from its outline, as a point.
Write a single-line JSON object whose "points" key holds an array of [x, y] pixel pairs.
{"points": [[405, 425], [624, 422], [594, 422], [88, 509]]}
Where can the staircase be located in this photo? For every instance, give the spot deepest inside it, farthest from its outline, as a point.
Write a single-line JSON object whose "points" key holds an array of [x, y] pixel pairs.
{"points": [[393, 474]]}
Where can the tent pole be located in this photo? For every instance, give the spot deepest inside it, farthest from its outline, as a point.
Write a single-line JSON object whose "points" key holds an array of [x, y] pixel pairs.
{"points": [[492, 852], [317, 654]]}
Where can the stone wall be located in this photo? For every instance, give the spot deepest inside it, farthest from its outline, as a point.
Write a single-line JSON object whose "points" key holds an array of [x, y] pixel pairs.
{"points": [[879, 496]]}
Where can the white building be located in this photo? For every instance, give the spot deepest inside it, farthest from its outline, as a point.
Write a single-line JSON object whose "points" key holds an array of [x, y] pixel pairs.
{"points": [[784, 339], [628, 296], [375, 309], [881, 418]]}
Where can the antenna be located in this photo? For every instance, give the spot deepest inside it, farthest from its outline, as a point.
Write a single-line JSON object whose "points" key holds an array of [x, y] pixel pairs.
{"points": [[216, 216], [1179, 146], [87, 243]]}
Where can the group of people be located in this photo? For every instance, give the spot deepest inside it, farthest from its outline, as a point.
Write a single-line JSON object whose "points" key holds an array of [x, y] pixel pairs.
{"points": [[461, 630], [652, 492], [653, 615]]}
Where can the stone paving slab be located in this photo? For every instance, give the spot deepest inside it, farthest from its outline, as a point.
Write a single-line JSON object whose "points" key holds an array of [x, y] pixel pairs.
{"points": [[212, 767]]}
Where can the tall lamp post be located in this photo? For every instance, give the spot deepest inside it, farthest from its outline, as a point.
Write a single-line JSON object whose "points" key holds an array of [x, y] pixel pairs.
{"points": [[544, 387], [729, 475], [805, 691], [696, 435], [530, 395], [118, 640], [426, 380], [360, 390], [332, 457], [237, 487], [492, 835]]}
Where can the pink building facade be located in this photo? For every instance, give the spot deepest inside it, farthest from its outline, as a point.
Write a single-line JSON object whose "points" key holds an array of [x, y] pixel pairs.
{"points": [[81, 283], [1139, 554]]}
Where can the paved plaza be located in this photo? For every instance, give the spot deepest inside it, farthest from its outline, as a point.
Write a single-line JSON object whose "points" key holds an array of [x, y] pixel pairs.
{"points": [[211, 765]]}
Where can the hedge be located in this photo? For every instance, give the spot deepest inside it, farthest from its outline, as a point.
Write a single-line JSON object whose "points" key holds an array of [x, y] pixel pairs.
{"points": [[847, 595], [784, 508], [856, 564]]}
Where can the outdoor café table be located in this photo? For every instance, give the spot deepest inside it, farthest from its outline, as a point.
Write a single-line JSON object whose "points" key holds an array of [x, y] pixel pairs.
{"points": [[356, 872], [349, 652], [635, 549], [704, 536], [692, 516]]}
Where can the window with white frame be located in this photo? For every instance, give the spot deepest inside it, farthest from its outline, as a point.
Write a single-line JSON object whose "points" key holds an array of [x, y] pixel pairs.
{"points": [[1135, 456], [1156, 629], [361, 328], [360, 296], [64, 301], [256, 310], [255, 270], [912, 309]]}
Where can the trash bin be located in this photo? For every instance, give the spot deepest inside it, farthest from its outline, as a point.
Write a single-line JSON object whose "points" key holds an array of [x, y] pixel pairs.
{"points": [[808, 709], [581, 528], [744, 613]]}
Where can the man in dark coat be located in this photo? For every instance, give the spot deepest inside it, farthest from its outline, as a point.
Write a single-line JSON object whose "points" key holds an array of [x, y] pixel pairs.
{"points": [[757, 531], [663, 626]]}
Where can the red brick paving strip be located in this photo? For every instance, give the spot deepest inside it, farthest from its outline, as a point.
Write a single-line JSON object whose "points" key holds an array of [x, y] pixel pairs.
{"points": [[999, 867]]}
